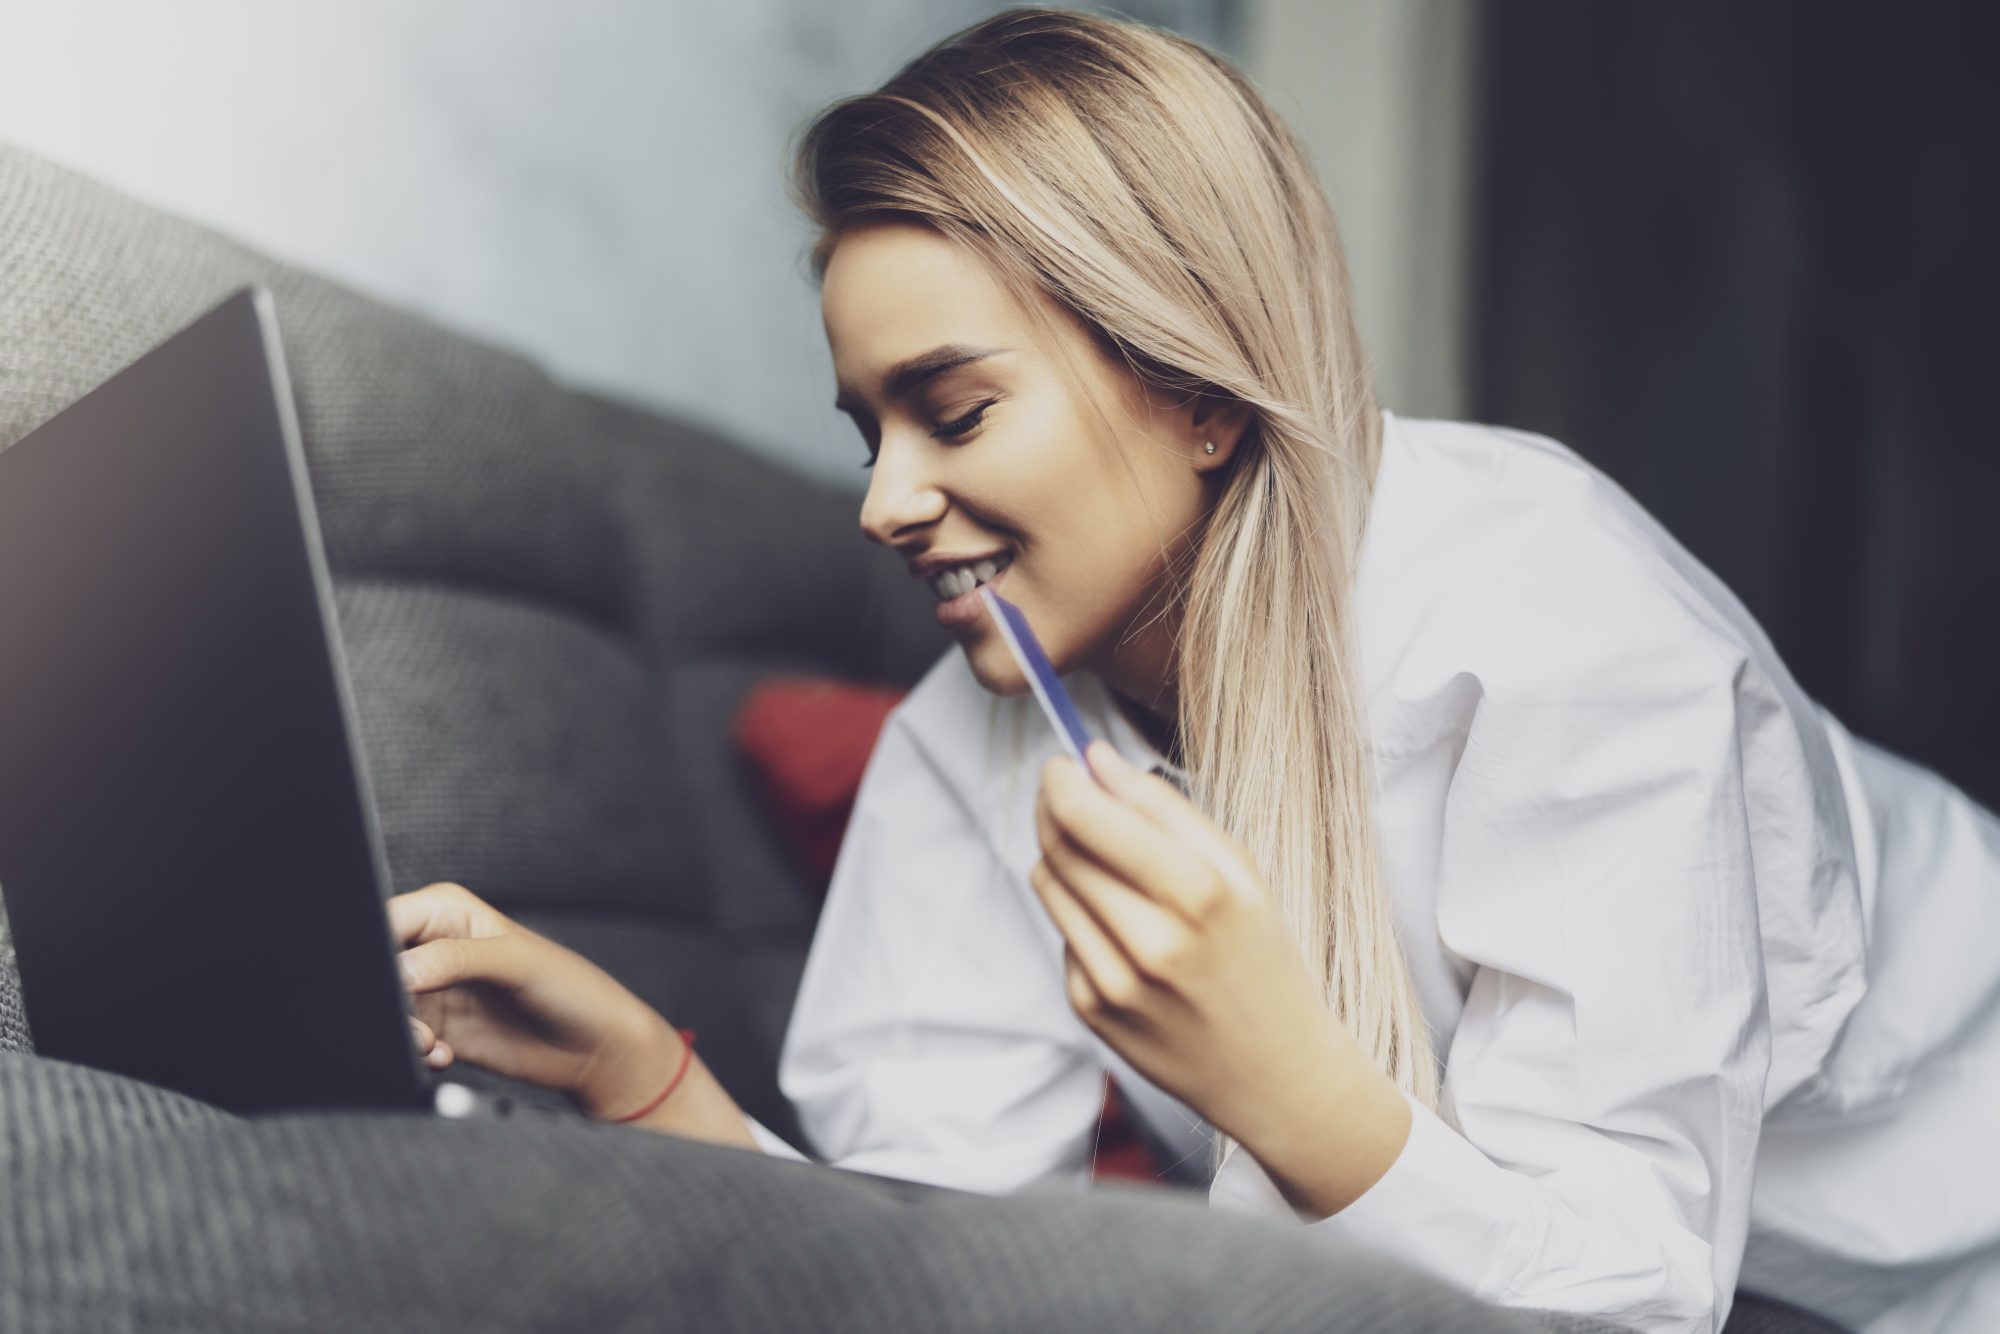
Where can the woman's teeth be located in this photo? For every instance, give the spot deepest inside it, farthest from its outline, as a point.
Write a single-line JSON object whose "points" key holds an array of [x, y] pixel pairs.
{"points": [[962, 579]]}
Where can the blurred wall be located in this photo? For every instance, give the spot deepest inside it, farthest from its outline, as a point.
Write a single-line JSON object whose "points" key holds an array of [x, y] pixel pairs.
{"points": [[598, 184], [1742, 258], [1384, 93]]}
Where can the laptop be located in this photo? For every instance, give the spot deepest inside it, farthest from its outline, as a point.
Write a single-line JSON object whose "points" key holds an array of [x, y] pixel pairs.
{"points": [[189, 854]]}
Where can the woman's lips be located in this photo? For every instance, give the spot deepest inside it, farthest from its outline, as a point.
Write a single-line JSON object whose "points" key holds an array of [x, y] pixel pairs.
{"points": [[966, 608]]}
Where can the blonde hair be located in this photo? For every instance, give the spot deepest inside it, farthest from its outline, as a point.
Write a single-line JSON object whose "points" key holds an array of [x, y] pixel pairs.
{"points": [[1142, 183]]}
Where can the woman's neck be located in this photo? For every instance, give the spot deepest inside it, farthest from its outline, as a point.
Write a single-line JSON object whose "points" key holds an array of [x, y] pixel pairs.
{"points": [[1140, 676], [1157, 724]]}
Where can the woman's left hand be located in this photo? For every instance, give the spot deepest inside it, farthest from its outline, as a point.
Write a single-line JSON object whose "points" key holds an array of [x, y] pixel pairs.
{"points": [[1177, 957]]}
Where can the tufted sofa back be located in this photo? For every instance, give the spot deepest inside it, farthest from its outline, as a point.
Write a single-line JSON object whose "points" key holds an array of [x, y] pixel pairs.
{"points": [[551, 604]]}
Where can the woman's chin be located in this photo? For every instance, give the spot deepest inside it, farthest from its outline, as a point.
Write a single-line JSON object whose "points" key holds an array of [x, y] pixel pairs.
{"points": [[994, 667]]}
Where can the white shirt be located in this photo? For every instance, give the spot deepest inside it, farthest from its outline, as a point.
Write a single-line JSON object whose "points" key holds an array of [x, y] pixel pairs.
{"points": [[1715, 984]]}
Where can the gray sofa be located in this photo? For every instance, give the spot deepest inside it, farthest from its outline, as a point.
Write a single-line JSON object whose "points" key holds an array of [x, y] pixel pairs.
{"points": [[552, 604]]}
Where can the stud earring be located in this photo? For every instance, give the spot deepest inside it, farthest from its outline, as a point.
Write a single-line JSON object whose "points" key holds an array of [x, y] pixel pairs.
{"points": [[1208, 447]]}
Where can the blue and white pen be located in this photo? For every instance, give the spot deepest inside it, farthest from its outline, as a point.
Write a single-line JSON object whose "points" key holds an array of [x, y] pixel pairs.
{"points": [[1041, 674]]}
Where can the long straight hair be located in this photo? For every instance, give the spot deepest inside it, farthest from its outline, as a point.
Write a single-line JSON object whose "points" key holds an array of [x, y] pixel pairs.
{"points": [[1141, 183]]}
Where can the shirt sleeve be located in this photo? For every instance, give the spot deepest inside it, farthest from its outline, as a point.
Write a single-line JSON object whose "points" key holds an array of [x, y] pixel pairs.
{"points": [[932, 1039], [772, 1143], [1604, 1088]]}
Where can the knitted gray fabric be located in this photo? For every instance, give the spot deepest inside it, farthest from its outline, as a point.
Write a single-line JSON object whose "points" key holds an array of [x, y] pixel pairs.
{"points": [[13, 1023], [393, 1223]]}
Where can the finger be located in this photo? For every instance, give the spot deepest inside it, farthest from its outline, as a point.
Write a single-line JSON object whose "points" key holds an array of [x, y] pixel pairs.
{"points": [[438, 1057], [1113, 981], [427, 914], [1161, 803], [501, 961], [1142, 927], [426, 1039], [457, 1014], [432, 1010], [1095, 821], [436, 911]]}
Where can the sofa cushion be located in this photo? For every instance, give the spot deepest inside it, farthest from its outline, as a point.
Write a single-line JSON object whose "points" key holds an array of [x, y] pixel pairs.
{"points": [[391, 1222], [561, 748]]}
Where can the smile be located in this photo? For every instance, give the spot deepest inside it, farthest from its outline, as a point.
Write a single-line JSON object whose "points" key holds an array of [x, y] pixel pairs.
{"points": [[962, 579]]}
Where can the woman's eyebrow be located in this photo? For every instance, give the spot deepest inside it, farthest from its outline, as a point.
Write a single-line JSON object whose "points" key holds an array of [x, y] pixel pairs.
{"points": [[910, 372]]}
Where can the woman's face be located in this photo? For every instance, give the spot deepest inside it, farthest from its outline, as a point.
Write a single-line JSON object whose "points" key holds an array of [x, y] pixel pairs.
{"points": [[989, 465]]}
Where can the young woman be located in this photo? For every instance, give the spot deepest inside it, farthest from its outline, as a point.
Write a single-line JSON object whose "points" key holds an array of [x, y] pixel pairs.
{"points": [[1459, 852]]}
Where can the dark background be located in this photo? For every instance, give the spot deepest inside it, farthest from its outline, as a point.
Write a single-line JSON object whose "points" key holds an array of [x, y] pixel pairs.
{"points": [[1743, 258]]}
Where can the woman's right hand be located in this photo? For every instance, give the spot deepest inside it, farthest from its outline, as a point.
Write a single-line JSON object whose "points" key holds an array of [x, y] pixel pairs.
{"points": [[491, 991]]}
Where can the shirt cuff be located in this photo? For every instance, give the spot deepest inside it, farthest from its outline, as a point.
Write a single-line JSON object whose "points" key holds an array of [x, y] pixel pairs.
{"points": [[1443, 1205], [770, 1143]]}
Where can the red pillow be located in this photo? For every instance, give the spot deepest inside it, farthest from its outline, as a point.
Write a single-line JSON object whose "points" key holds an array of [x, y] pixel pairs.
{"points": [[807, 741]]}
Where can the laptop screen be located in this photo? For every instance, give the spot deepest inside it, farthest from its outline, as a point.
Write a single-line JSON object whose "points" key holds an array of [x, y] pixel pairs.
{"points": [[188, 853]]}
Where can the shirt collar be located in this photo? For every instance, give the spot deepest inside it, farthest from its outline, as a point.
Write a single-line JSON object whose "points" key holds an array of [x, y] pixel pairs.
{"points": [[1131, 743]]}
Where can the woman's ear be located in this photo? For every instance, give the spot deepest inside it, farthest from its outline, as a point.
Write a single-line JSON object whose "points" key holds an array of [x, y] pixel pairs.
{"points": [[1216, 427]]}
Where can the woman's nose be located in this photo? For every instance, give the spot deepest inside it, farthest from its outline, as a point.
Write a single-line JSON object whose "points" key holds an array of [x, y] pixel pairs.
{"points": [[901, 497]]}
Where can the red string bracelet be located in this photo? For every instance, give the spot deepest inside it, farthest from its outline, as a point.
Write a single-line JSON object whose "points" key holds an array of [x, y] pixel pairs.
{"points": [[687, 1057]]}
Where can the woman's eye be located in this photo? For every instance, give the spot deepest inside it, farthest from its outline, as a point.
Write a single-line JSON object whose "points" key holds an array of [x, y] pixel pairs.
{"points": [[949, 430], [965, 423]]}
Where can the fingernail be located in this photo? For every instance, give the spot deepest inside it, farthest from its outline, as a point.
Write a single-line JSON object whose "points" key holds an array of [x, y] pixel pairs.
{"points": [[407, 969]]}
